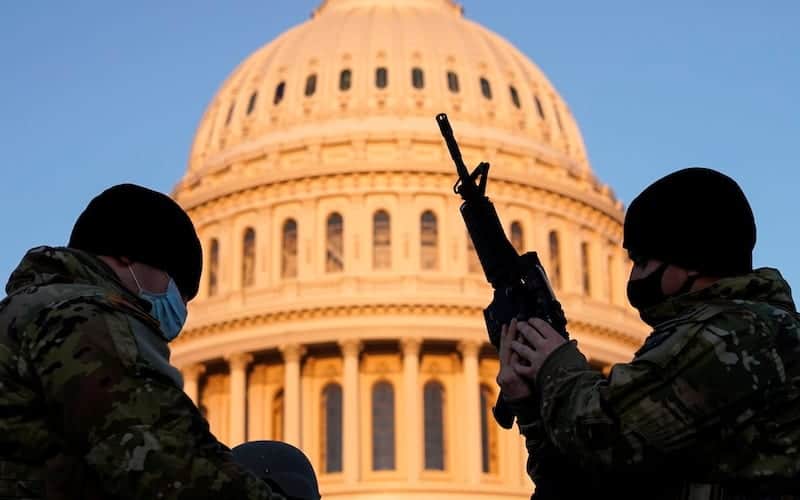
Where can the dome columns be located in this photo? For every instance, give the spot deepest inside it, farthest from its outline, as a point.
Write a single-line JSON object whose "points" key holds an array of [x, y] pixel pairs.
{"points": [[351, 349], [411, 347], [238, 364], [292, 354], [191, 377], [469, 353]]}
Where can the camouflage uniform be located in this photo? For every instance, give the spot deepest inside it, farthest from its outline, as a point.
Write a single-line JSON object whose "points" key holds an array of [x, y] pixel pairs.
{"points": [[89, 405], [709, 408]]}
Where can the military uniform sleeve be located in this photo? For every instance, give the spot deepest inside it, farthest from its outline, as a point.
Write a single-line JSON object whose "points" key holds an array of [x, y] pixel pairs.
{"points": [[553, 474], [702, 378], [138, 432]]}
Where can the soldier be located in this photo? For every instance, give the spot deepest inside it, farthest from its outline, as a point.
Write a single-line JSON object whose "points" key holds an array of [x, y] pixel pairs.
{"points": [[709, 407], [90, 406]]}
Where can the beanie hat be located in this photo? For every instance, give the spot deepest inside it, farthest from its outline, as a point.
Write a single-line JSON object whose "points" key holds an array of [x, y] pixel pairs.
{"points": [[696, 218], [281, 465], [145, 226]]}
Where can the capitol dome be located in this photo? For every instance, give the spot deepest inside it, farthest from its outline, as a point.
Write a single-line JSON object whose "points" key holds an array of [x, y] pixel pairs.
{"points": [[340, 305]]}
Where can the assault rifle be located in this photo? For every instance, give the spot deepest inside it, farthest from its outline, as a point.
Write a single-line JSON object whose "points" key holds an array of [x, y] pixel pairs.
{"points": [[521, 287]]}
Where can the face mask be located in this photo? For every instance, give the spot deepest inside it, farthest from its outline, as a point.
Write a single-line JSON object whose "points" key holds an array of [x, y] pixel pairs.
{"points": [[168, 307], [646, 292]]}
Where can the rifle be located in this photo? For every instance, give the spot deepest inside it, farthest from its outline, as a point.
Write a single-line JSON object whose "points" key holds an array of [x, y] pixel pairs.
{"points": [[521, 287]]}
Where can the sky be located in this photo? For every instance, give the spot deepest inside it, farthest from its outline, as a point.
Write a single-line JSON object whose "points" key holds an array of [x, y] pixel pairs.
{"points": [[94, 93]]}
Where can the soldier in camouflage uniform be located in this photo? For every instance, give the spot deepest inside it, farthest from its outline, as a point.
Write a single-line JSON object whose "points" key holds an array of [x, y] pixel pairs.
{"points": [[89, 405], [709, 407]]}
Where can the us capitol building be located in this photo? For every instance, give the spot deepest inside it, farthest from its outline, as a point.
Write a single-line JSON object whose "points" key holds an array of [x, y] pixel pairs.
{"points": [[340, 306]]}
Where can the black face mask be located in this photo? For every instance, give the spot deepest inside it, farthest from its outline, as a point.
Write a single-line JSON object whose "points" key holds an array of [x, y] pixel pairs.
{"points": [[646, 292]]}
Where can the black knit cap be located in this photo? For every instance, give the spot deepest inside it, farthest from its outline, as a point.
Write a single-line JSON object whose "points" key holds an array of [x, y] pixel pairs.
{"points": [[145, 226], [696, 218], [284, 467]]}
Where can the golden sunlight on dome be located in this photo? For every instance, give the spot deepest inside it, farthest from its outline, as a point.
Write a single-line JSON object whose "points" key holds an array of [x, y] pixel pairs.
{"points": [[340, 307]]}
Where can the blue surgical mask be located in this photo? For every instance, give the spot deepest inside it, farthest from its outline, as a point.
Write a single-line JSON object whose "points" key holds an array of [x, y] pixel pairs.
{"points": [[168, 307]]}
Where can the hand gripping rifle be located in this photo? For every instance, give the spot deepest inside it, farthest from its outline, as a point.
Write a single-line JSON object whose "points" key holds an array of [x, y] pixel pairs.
{"points": [[521, 287]]}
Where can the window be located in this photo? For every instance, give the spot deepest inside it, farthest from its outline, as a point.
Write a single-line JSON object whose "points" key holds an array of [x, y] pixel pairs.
{"points": [[251, 105], [558, 119], [452, 82], [277, 416], [488, 432], [332, 428], [586, 269], [279, 93], [473, 263], [517, 240], [334, 254], [345, 79], [433, 395], [311, 85], [539, 107], [429, 241], [555, 260], [381, 240], [381, 78], [417, 78], [249, 258], [383, 426], [610, 276], [230, 113], [515, 97], [486, 89], [213, 268], [289, 249]]}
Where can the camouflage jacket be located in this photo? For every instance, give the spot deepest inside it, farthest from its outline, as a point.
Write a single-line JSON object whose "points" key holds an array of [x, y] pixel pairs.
{"points": [[709, 407], [89, 405]]}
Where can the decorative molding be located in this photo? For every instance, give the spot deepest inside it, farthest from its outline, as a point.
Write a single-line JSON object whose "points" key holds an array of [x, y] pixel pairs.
{"points": [[410, 346], [351, 347], [292, 353], [239, 360]]}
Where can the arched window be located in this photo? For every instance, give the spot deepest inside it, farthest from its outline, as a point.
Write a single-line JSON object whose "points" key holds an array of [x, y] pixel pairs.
{"points": [[558, 119], [417, 78], [452, 82], [486, 88], [381, 240], [473, 263], [433, 395], [554, 273], [383, 426], [514, 97], [277, 416], [488, 432], [334, 249], [251, 105], [381, 77], [429, 240], [332, 428], [213, 267], [539, 107], [610, 278], [230, 113], [289, 249], [586, 268], [311, 84], [249, 258], [345, 79], [279, 90], [517, 239]]}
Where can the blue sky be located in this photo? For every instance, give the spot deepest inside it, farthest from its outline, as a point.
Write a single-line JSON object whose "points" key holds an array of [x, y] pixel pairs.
{"points": [[94, 93]]}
